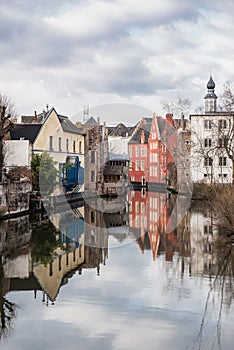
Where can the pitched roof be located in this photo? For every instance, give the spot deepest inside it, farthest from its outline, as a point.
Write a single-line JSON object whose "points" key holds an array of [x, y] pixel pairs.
{"points": [[161, 124], [26, 131], [120, 130], [65, 122], [68, 126], [39, 119], [91, 121], [136, 138]]}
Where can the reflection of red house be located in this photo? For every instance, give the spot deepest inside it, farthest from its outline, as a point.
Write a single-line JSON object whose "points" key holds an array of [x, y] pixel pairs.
{"points": [[151, 149], [148, 221]]}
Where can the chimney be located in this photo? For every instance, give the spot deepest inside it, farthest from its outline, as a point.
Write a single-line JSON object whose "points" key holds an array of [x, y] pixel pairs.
{"points": [[182, 121], [169, 119], [103, 131], [142, 137], [35, 115], [98, 120], [47, 108]]}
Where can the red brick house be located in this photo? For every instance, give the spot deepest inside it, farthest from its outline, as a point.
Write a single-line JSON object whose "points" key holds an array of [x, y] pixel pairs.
{"points": [[151, 149]]}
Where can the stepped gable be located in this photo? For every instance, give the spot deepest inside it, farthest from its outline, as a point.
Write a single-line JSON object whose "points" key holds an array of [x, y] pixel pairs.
{"points": [[146, 127]]}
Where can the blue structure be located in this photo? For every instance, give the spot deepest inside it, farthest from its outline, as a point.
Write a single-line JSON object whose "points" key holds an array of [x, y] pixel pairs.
{"points": [[72, 173]]}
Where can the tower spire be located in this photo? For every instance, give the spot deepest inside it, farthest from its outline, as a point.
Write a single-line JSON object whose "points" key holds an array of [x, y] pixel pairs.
{"points": [[210, 98]]}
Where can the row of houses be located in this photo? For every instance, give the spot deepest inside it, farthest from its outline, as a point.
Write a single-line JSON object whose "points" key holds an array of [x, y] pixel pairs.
{"points": [[181, 152], [158, 151]]}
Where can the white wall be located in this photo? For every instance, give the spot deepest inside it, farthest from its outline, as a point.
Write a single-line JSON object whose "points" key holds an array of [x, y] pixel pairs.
{"points": [[17, 153], [214, 173], [118, 145]]}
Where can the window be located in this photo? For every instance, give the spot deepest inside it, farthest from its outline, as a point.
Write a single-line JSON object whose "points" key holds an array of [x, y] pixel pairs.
{"points": [[143, 151], [137, 207], [51, 268], [74, 146], [51, 143], [207, 142], [92, 175], [137, 165], [222, 124], [207, 124], [130, 165], [92, 157], [80, 147], [60, 263], [142, 165], [130, 151], [222, 143], [60, 144], [222, 161], [92, 217], [133, 178], [67, 145], [222, 175], [153, 135], [208, 161], [207, 229], [137, 151]]}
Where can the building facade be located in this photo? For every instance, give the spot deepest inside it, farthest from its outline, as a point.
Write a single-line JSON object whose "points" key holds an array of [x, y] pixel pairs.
{"points": [[151, 150], [212, 142], [55, 134]]}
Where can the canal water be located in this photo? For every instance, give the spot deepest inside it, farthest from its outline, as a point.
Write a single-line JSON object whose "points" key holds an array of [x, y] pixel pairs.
{"points": [[121, 278]]}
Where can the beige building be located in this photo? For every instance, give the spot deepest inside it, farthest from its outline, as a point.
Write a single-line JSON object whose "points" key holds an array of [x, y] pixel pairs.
{"points": [[52, 133]]}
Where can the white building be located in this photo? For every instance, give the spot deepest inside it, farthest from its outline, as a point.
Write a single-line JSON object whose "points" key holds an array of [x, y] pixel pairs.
{"points": [[210, 136], [17, 153]]}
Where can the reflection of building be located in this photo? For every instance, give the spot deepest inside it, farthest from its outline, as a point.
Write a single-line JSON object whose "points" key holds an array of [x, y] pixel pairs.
{"points": [[15, 237], [20, 273], [202, 234], [55, 274], [148, 220]]}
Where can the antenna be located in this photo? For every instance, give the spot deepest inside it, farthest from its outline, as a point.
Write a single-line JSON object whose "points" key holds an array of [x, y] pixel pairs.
{"points": [[86, 113]]}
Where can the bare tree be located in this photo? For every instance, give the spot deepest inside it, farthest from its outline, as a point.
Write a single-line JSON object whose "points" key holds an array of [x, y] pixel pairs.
{"points": [[178, 106], [227, 98], [7, 117], [226, 135]]}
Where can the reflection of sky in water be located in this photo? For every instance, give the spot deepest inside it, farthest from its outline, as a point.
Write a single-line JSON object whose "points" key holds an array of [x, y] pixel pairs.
{"points": [[135, 303]]}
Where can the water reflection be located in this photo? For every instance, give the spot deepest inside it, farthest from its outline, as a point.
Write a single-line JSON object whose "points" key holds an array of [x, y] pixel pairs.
{"points": [[42, 256]]}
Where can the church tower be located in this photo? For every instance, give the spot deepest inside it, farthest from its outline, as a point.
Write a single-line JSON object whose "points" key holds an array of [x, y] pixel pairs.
{"points": [[210, 98]]}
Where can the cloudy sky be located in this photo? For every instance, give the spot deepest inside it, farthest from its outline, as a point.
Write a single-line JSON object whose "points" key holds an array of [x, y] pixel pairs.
{"points": [[77, 52]]}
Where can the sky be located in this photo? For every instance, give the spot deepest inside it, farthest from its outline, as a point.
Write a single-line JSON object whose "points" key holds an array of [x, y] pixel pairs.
{"points": [[72, 53]]}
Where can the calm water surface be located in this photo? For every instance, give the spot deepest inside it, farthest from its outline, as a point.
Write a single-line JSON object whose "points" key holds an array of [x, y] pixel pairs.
{"points": [[133, 287]]}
